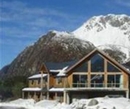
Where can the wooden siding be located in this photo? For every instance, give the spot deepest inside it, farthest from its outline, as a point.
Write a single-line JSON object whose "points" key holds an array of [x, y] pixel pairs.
{"points": [[64, 83], [51, 81], [125, 80], [70, 80], [36, 83]]}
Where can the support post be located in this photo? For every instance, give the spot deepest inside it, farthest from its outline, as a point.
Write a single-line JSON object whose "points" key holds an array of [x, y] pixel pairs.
{"points": [[89, 74], [41, 98], [55, 95], [48, 85], [105, 74], [64, 96], [23, 94], [68, 99], [127, 94], [29, 96]]}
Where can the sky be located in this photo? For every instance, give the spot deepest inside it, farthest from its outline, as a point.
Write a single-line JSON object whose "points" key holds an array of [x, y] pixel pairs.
{"points": [[23, 22]]}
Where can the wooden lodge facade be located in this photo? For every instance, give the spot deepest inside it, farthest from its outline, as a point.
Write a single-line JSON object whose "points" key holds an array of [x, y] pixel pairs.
{"points": [[95, 75]]}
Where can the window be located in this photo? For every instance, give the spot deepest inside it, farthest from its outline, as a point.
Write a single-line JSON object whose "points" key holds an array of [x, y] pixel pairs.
{"points": [[111, 68], [97, 63], [79, 80], [115, 80], [58, 80], [82, 68], [97, 80], [31, 94], [39, 80], [45, 79]]}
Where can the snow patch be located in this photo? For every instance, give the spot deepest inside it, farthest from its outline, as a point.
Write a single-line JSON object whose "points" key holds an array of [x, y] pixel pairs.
{"points": [[101, 103]]}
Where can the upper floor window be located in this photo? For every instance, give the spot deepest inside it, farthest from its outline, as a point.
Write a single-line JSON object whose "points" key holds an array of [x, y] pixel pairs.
{"points": [[111, 68], [115, 80], [45, 79], [82, 68], [97, 63], [58, 80], [97, 80], [39, 80]]}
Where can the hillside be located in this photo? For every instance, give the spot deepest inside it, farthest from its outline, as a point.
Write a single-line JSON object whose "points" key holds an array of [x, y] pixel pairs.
{"points": [[110, 33], [52, 47]]}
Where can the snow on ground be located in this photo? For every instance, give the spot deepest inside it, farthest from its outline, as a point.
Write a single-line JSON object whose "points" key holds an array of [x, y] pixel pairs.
{"points": [[95, 103]]}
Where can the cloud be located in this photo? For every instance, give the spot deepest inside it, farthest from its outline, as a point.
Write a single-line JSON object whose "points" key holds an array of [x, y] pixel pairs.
{"points": [[20, 20], [123, 2], [22, 24]]}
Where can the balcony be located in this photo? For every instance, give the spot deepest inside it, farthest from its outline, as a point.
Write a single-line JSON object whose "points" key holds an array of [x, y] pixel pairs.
{"points": [[59, 86], [97, 85], [79, 85]]}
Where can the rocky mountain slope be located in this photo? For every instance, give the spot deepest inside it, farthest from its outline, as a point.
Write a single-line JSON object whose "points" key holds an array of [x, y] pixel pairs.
{"points": [[52, 47], [110, 31]]}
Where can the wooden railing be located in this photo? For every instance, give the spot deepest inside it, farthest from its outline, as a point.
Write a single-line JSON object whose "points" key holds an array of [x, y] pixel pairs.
{"points": [[109, 85], [59, 85], [118, 85], [80, 85]]}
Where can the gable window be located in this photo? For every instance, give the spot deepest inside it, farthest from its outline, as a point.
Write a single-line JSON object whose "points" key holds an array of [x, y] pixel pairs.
{"points": [[97, 63], [111, 68], [79, 80], [82, 68]]}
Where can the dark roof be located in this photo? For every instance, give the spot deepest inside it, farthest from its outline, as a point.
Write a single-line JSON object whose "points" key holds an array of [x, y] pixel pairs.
{"points": [[127, 66], [59, 65]]}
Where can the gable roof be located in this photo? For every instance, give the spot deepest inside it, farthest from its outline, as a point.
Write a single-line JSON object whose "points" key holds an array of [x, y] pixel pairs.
{"points": [[88, 56], [44, 69]]}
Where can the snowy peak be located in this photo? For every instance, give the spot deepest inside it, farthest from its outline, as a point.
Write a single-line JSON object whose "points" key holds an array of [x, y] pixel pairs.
{"points": [[61, 35], [101, 22], [105, 30], [66, 39]]}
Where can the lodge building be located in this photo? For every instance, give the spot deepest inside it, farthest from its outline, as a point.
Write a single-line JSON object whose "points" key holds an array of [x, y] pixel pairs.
{"points": [[95, 75]]}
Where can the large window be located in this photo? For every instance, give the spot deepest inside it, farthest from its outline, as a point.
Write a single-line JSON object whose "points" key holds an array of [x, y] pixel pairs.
{"points": [[82, 68], [97, 80], [111, 68], [97, 63], [115, 80], [79, 80]]}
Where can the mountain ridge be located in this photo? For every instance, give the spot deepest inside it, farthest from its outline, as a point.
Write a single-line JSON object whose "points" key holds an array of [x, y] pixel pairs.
{"points": [[52, 47], [109, 30], [110, 33]]}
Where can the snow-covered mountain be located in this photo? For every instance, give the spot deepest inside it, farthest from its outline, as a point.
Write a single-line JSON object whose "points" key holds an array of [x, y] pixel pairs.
{"points": [[110, 31]]}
